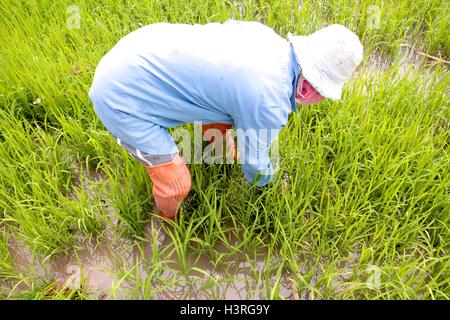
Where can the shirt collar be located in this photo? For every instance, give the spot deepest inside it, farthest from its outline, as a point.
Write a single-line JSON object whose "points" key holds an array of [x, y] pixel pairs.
{"points": [[294, 70]]}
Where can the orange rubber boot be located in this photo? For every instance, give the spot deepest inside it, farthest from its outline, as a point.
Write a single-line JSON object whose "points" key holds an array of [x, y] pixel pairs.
{"points": [[227, 138], [171, 184]]}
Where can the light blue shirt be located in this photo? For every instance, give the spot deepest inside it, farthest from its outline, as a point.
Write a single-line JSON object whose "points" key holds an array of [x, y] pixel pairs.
{"points": [[164, 75]]}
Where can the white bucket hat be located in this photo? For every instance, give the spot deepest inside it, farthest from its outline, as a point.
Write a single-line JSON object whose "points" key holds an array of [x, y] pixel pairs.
{"points": [[328, 57]]}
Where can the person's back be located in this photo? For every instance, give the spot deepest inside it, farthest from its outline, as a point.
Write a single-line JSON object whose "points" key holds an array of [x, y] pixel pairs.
{"points": [[177, 73]]}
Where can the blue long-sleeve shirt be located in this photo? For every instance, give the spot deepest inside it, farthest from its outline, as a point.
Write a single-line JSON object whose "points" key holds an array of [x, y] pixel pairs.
{"points": [[236, 72]]}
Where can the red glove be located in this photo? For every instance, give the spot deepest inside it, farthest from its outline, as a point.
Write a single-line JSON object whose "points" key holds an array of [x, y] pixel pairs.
{"points": [[171, 184], [227, 138]]}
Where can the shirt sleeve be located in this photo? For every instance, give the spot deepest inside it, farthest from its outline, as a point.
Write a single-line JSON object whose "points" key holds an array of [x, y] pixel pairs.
{"points": [[255, 135]]}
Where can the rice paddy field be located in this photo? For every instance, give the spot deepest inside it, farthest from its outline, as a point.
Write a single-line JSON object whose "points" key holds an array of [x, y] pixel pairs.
{"points": [[360, 210]]}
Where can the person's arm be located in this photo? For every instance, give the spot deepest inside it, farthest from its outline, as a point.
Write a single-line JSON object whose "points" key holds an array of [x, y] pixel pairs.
{"points": [[254, 151], [255, 134]]}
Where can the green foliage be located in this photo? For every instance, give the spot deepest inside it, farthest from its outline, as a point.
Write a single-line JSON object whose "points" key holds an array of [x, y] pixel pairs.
{"points": [[363, 182]]}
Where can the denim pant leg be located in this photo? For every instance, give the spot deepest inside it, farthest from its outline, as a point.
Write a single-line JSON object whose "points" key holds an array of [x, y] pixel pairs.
{"points": [[146, 159]]}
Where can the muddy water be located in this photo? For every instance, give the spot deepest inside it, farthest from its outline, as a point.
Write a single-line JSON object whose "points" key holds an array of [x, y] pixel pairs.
{"points": [[98, 268], [113, 267], [407, 58], [102, 266]]}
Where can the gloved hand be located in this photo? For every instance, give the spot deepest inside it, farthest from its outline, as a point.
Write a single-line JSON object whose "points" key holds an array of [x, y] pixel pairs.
{"points": [[227, 139], [171, 184]]}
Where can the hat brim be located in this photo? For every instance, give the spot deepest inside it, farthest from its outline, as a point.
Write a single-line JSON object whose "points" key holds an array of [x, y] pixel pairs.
{"points": [[311, 71]]}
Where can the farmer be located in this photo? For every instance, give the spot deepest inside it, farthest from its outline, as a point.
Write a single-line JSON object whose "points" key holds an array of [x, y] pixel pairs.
{"points": [[236, 73]]}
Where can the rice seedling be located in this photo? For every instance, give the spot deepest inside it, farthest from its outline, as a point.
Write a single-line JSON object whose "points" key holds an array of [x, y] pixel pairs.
{"points": [[360, 208]]}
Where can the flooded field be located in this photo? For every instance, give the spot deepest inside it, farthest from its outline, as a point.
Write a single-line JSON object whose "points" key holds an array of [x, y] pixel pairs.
{"points": [[360, 211], [111, 266], [98, 267]]}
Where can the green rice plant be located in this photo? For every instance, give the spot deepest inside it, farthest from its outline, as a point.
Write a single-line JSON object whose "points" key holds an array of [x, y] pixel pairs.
{"points": [[360, 208]]}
